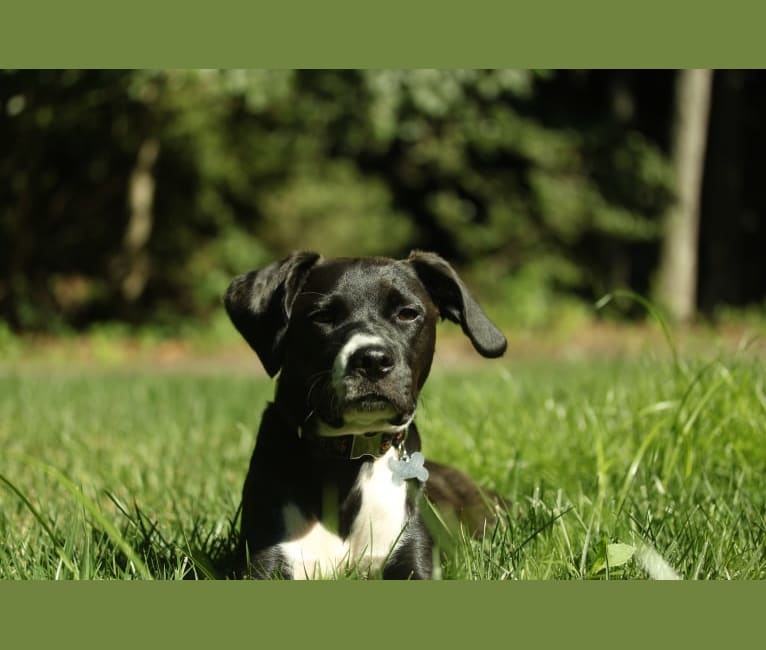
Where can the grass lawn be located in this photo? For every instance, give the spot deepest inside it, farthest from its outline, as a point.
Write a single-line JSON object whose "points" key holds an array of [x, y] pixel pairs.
{"points": [[613, 469]]}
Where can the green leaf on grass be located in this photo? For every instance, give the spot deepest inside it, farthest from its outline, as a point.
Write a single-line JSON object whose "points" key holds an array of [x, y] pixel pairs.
{"points": [[616, 556], [619, 554]]}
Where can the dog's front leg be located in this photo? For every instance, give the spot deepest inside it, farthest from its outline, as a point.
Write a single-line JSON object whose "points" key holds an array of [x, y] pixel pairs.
{"points": [[413, 558], [267, 564]]}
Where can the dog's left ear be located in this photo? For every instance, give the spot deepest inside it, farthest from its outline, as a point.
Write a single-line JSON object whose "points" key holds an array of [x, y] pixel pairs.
{"points": [[456, 303], [259, 304]]}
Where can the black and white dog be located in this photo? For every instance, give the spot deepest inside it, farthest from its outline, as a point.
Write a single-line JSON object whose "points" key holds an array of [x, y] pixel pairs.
{"points": [[334, 481]]}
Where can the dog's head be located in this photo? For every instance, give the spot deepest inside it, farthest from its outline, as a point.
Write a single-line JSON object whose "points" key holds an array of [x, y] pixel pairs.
{"points": [[353, 338]]}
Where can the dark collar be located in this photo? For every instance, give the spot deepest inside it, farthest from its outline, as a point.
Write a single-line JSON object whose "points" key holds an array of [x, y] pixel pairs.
{"points": [[350, 447]]}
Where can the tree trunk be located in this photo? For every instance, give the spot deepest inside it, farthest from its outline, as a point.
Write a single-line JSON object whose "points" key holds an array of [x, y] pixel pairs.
{"points": [[140, 222], [677, 281]]}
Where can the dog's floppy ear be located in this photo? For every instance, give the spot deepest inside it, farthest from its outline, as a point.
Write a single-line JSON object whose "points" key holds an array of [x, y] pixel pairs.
{"points": [[259, 305], [456, 303]]}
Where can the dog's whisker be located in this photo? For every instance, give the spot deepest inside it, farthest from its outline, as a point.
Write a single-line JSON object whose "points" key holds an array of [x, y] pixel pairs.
{"points": [[312, 387], [313, 293], [318, 374], [308, 417]]}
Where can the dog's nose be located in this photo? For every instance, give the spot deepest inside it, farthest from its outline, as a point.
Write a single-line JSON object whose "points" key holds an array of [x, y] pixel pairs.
{"points": [[373, 362]]}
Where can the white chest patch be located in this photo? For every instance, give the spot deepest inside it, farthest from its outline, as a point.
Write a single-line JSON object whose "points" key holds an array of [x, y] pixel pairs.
{"points": [[313, 551]]}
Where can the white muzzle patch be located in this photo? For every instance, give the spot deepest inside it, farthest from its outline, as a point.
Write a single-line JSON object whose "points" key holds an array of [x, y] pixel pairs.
{"points": [[357, 421], [340, 365]]}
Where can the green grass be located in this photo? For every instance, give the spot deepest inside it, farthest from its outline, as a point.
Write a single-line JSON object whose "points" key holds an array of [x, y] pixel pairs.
{"points": [[107, 474]]}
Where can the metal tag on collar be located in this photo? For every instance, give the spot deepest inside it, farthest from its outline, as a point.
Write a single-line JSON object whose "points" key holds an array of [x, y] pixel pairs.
{"points": [[407, 467]]}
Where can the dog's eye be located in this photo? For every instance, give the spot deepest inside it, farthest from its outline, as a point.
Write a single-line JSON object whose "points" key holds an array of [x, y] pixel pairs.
{"points": [[407, 314]]}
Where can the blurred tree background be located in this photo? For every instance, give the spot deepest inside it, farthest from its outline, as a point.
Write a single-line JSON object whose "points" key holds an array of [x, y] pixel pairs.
{"points": [[137, 195]]}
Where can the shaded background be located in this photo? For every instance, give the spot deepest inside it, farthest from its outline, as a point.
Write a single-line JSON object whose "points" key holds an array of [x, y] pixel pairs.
{"points": [[135, 196]]}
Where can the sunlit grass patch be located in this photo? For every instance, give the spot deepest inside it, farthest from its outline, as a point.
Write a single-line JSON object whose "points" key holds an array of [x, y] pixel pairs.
{"points": [[611, 469]]}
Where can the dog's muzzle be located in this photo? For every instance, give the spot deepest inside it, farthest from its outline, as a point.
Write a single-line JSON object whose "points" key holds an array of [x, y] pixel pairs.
{"points": [[370, 388]]}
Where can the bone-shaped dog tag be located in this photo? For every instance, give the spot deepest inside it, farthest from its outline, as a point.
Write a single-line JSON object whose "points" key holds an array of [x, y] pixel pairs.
{"points": [[408, 467]]}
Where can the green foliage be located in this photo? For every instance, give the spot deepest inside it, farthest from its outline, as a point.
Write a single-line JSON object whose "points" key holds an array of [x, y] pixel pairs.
{"points": [[337, 211], [483, 166], [527, 299]]}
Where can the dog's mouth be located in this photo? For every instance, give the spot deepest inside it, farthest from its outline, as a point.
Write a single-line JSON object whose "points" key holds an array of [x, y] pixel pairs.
{"points": [[370, 412], [370, 403]]}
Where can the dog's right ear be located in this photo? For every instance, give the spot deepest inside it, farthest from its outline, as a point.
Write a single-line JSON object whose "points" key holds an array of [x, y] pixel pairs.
{"points": [[457, 304], [259, 304]]}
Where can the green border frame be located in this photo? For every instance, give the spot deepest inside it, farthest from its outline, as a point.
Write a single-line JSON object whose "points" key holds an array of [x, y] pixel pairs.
{"points": [[460, 614], [287, 34], [342, 33]]}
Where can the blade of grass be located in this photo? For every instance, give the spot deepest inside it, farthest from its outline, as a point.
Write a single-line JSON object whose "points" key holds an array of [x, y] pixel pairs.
{"points": [[633, 469], [28, 504], [94, 512], [652, 310], [686, 428]]}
